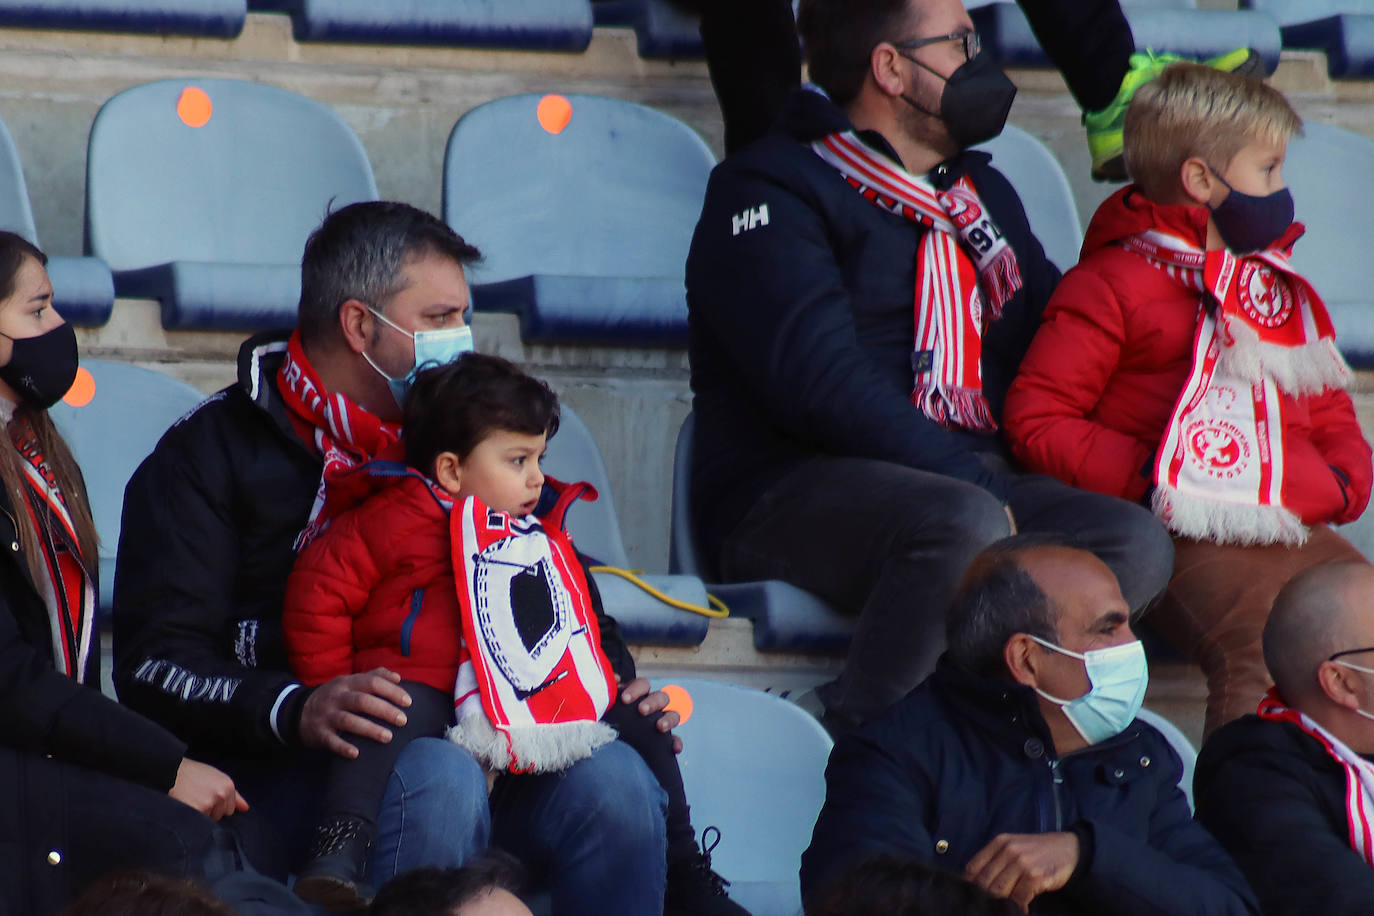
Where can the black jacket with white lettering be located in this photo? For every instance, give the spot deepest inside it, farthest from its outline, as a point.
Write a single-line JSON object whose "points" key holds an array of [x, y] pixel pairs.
{"points": [[802, 323], [205, 547]]}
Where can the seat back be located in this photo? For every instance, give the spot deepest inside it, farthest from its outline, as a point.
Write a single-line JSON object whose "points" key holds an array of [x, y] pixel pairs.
{"points": [[1326, 169], [535, 25], [111, 435], [1181, 745], [753, 765], [207, 18], [683, 555], [573, 456], [1044, 190], [1291, 12], [614, 193], [245, 186], [16, 213]]}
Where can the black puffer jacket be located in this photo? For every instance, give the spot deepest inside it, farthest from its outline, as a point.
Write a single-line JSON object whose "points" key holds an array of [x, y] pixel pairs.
{"points": [[45, 714], [802, 326], [965, 758], [1275, 798], [206, 546]]}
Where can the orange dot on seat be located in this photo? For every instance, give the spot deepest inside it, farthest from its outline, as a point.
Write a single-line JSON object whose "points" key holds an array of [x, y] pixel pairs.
{"points": [[679, 701], [194, 107], [82, 390], [554, 113]]}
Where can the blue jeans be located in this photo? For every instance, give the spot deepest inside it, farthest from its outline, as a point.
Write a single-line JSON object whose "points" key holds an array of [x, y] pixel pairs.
{"points": [[434, 811], [594, 832]]}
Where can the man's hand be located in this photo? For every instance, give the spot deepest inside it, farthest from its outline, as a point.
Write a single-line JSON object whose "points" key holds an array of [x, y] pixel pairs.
{"points": [[206, 789], [651, 701], [342, 705], [1022, 866]]}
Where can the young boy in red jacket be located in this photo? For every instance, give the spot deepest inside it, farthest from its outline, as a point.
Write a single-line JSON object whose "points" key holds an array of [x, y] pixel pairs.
{"points": [[1185, 363], [454, 573]]}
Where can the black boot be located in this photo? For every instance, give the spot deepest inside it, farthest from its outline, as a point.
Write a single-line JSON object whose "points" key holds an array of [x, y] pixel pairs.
{"points": [[332, 878], [694, 889]]}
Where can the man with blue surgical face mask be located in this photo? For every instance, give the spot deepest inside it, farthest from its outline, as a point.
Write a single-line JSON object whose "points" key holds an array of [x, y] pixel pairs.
{"points": [[1020, 764]]}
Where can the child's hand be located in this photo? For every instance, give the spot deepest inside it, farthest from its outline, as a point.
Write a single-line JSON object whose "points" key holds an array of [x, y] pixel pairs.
{"points": [[651, 702]]}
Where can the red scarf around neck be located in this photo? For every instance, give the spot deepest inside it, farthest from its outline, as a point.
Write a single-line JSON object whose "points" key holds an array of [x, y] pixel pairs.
{"points": [[67, 590], [966, 272], [343, 434]]}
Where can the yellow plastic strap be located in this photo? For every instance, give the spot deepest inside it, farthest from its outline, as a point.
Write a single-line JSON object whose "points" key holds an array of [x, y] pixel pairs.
{"points": [[717, 610]]}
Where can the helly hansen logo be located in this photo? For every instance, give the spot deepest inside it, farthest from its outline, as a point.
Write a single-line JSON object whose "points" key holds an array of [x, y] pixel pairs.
{"points": [[750, 219]]}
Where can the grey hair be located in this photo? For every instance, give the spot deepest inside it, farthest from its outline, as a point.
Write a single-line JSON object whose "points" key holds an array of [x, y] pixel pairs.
{"points": [[360, 252], [998, 599]]}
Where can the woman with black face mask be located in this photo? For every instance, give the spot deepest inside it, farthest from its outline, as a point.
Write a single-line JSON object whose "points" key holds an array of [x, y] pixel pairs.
{"points": [[86, 785]]}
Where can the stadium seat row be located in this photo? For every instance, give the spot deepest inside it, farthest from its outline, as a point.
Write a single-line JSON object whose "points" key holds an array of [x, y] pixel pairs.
{"points": [[201, 195]]}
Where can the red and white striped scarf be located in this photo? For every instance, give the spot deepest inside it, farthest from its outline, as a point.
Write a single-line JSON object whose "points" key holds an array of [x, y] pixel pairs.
{"points": [[1359, 773], [951, 291], [1262, 330], [343, 434], [67, 590], [532, 697]]}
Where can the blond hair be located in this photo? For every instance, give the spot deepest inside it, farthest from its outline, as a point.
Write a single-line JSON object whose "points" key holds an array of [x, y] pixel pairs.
{"points": [[1192, 110]]}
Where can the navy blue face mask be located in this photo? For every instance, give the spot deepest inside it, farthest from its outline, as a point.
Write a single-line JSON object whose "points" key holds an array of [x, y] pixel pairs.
{"points": [[1248, 223]]}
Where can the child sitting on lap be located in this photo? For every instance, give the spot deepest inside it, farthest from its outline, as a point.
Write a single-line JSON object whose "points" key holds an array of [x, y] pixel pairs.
{"points": [[457, 575]]}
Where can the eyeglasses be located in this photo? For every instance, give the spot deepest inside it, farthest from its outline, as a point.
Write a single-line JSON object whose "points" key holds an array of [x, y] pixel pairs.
{"points": [[1336, 655], [972, 43]]}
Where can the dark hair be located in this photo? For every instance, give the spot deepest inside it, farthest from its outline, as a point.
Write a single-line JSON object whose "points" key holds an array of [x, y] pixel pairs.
{"points": [[438, 891], [453, 407], [14, 248], [997, 599], [14, 251], [146, 893], [904, 887], [360, 252], [839, 37]]}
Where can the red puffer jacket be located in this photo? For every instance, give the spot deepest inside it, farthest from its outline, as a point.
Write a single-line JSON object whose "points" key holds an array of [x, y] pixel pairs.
{"points": [[377, 588], [1099, 383]]}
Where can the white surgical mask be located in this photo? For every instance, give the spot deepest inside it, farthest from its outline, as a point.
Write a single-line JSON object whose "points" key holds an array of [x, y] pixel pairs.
{"points": [[432, 348], [1118, 676]]}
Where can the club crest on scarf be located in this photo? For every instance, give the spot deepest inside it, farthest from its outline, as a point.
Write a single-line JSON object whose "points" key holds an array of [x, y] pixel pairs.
{"points": [[1264, 295], [536, 684]]}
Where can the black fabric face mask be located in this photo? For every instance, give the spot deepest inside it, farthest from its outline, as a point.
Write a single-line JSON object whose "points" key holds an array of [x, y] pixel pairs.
{"points": [[1247, 222], [976, 100], [41, 369]]}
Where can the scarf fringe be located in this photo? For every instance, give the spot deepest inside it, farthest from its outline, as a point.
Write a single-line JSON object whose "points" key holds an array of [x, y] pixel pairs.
{"points": [[955, 408], [1245, 525], [531, 748], [1309, 368], [1003, 277]]}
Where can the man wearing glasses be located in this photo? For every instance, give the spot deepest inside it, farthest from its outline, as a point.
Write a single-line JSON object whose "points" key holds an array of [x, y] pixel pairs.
{"points": [[861, 289], [1290, 792]]}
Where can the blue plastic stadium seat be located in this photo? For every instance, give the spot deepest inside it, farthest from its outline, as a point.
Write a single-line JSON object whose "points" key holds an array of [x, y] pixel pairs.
{"points": [[753, 765], [535, 25], [212, 219], [110, 437], [1044, 190], [83, 289], [208, 18], [584, 232], [1171, 26], [1327, 168], [1343, 29], [573, 456], [786, 618], [1181, 745]]}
